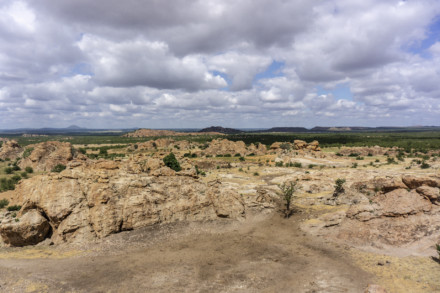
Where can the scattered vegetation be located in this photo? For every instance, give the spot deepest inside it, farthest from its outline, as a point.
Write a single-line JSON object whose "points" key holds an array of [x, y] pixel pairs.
{"points": [[27, 152]]}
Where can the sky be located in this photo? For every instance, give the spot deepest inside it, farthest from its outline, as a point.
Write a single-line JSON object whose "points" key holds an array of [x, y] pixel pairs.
{"points": [[243, 64]]}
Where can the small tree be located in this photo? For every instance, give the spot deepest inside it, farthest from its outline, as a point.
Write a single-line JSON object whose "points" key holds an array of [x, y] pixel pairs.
{"points": [[339, 186], [287, 191], [171, 162]]}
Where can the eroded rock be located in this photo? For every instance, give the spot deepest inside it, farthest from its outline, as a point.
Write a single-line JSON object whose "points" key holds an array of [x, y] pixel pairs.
{"points": [[29, 229]]}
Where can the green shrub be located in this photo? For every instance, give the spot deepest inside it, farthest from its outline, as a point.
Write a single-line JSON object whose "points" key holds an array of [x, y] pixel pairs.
{"points": [[16, 178], [391, 161], [227, 155], [437, 246], [13, 208], [311, 166], [279, 164], [82, 151], [241, 159], [425, 165], [8, 170], [339, 186], [237, 155], [171, 162], [7, 184], [287, 191], [15, 168], [29, 170], [297, 165], [27, 152], [354, 165], [285, 146], [3, 203], [58, 168], [256, 174], [24, 175]]}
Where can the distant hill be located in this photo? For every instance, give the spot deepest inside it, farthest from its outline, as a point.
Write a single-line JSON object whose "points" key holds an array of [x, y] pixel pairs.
{"points": [[283, 129], [220, 129], [72, 127]]}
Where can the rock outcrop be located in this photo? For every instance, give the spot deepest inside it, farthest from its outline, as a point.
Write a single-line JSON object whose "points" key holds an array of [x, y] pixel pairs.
{"points": [[403, 211], [297, 144], [224, 146], [10, 149], [91, 200], [46, 155]]}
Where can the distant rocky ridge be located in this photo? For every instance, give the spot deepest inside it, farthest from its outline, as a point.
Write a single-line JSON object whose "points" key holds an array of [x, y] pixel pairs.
{"points": [[153, 132], [220, 129]]}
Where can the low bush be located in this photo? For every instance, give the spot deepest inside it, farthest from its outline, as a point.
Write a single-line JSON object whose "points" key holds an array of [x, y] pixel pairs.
{"points": [[29, 170], [171, 162], [13, 208], [3, 203], [58, 168]]}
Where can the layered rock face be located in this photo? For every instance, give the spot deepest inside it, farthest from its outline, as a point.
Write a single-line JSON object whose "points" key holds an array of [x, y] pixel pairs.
{"points": [[298, 145], [224, 146], [46, 155], [91, 200], [10, 149], [404, 211]]}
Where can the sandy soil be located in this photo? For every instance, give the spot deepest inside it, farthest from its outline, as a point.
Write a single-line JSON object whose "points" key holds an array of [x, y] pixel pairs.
{"points": [[258, 255]]}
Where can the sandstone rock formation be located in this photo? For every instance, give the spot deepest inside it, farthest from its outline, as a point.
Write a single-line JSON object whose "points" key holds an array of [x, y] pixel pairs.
{"points": [[92, 199], [224, 146], [403, 211], [298, 145], [46, 155], [10, 149]]}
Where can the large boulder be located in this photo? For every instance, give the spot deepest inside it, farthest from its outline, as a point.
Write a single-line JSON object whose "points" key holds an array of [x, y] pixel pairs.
{"points": [[29, 229]]}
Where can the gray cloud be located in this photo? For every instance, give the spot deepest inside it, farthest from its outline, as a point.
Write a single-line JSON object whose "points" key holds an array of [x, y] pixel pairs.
{"points": [[196, 63]]}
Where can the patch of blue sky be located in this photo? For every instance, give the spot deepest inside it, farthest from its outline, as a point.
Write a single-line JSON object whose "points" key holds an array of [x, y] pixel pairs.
{"points": [[81, 69], [432, 36], [274, 70], [341, 91], [225, 77]]}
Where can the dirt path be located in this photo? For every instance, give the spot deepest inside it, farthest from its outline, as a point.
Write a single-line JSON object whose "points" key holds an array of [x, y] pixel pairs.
{"points": [[269, 255]]}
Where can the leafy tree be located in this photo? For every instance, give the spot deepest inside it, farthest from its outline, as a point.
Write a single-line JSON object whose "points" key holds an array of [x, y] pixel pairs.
{"points": [[287, 191], [171, 162]]}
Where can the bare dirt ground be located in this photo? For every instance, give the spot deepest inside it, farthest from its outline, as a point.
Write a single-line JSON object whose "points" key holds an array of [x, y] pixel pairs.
{"points": [[259, 255]]}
